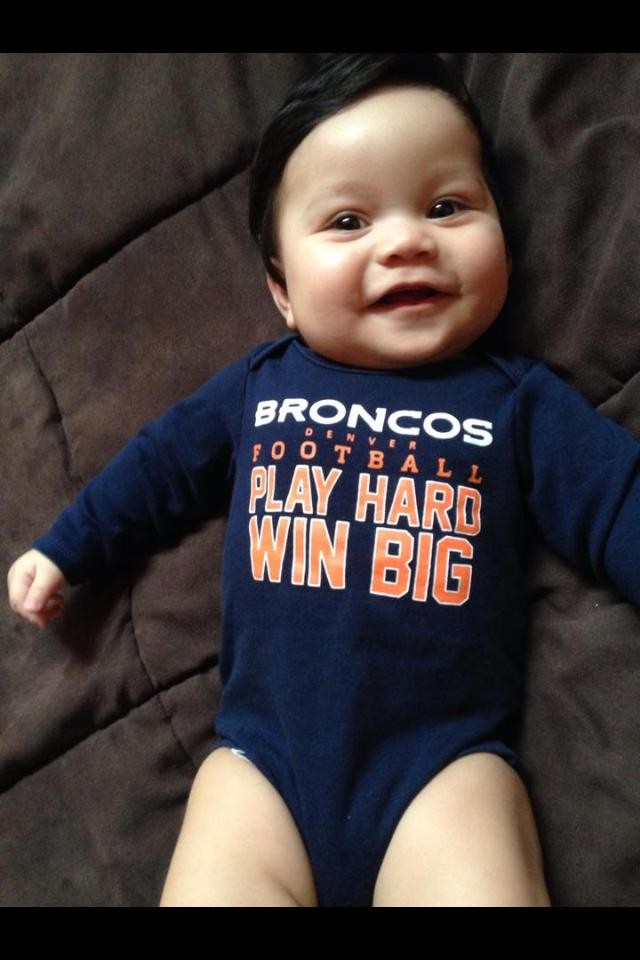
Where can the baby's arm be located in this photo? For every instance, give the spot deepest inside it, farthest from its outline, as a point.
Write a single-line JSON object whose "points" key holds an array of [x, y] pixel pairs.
{"points": [[34, 584], [582, 472], [177, 467]]}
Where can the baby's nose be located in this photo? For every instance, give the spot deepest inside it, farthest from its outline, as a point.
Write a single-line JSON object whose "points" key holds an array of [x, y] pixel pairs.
{"points": [[405, 239]]}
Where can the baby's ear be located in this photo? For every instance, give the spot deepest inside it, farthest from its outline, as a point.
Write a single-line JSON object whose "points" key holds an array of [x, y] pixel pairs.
{"points": [[281, 298]]}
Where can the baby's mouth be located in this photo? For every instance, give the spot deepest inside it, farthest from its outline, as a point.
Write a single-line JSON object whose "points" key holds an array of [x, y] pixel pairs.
{"points": [[408, 296]]}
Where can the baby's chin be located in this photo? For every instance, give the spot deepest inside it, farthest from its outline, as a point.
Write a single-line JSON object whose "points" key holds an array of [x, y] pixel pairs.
{"points": [[386, 361], [398, 348], [409, 357]]}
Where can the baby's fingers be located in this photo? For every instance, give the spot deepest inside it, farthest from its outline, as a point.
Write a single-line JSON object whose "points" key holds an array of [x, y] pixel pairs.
{"points": [[36, 597], [45, 617], [52, 609], [19, 582], [34, 583]]}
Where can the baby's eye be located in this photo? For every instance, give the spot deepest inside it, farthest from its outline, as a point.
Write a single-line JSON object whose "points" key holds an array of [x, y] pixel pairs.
{"points": [[347, 221], [444, 208]]}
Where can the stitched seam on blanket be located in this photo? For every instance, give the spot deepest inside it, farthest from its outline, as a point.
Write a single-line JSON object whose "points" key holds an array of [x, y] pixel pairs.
{"points": [[88, 265], [66, 449], [623, 386], [29, 770], [141, 660]]}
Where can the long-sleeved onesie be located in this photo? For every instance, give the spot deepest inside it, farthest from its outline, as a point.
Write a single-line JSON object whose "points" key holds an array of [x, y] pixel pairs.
{"points": [[373, 574]]}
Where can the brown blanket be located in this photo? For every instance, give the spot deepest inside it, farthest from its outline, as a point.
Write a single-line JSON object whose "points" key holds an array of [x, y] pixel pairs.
{"points": [[127, 277]]}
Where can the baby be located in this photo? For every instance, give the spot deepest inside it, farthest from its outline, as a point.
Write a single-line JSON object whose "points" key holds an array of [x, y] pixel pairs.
{"points": [[379, 465]]}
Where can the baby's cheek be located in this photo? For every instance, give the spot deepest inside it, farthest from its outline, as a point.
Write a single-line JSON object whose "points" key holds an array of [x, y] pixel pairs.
{"points": [[328, 293], [492, 271]]}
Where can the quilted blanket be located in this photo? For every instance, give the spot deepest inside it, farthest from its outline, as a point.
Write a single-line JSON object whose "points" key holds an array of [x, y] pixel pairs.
{"points": [[128, 277]]}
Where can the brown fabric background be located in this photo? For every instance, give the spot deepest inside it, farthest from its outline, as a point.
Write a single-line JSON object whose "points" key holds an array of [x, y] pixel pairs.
{"points": [[127, 277]]}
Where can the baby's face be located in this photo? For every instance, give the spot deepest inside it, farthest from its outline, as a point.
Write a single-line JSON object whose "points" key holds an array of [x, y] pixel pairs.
{"points": [[388, 236]]}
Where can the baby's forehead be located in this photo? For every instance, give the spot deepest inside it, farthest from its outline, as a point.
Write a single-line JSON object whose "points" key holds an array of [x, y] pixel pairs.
{"points": [[404, 126], [387, 115]]}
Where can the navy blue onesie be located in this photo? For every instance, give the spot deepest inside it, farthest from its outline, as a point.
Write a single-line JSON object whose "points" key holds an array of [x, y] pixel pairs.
{"points": [[373, 589]]}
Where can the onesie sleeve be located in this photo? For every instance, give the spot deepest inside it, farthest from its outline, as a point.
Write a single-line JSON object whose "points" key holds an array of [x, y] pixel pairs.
{"points": [[582, 478], [177, 468]]}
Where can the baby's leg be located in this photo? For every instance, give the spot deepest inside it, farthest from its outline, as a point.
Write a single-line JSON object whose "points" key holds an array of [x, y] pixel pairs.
{"points": [[467, 839], [239, 844]]}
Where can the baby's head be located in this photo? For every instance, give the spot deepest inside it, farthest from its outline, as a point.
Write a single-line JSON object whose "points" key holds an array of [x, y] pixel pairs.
{"points": [[373, 203]]}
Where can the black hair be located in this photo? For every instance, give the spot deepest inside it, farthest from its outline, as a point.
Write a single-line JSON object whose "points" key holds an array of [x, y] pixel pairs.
{"points": [[339, 80]]}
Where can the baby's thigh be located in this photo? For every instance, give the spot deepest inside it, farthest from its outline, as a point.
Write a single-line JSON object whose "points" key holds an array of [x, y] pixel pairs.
{"points": [[467, 839], [239, 844]]}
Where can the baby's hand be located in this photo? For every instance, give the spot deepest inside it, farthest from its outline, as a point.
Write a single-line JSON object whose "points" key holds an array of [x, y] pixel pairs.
{"points": [[34, 584]]}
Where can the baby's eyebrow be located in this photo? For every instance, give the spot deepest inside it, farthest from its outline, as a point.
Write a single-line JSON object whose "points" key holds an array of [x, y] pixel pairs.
{"points": [[333, 190], [342, 186], [333, 193]]}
